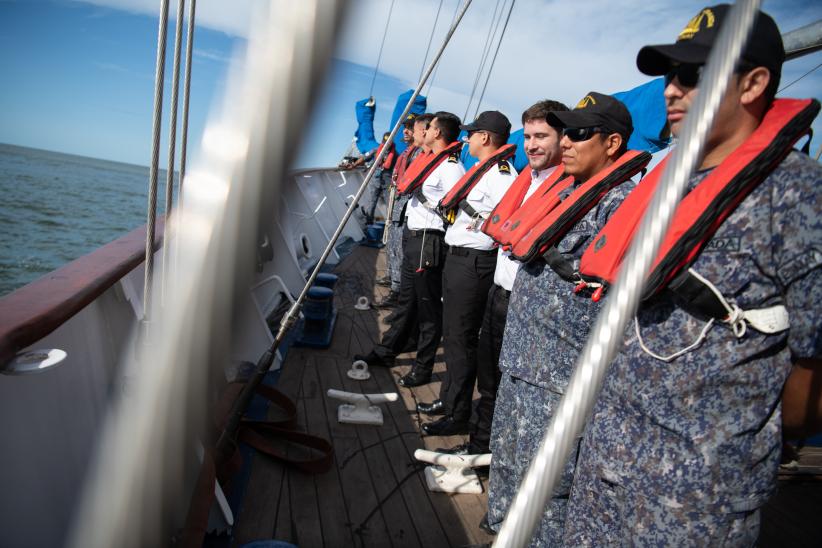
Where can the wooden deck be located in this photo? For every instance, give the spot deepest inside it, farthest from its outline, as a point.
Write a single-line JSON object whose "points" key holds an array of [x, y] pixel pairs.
{"points": [[375, 495]]}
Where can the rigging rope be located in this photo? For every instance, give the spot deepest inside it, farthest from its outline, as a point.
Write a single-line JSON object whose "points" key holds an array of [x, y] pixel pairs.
{"points": [[151, 214], [494, 60], [430, 39], [437, 68], [798, 79], [382, 45], [485, 50], [606, 338], [172, 142]]}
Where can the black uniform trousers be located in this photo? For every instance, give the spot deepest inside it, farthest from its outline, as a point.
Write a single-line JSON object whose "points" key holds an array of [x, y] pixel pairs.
{"points": [[488, 372], [419, 305], [467, 277]]}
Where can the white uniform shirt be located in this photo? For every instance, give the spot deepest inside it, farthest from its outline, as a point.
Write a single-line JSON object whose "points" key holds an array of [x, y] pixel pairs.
{"points": [[507, 267], [435, 187], [484, 197]]}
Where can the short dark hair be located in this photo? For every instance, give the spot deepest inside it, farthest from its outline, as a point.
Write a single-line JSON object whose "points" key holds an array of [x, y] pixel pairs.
{"points": [[424, 118], [449, 124], [540, 110], [497, 139]]}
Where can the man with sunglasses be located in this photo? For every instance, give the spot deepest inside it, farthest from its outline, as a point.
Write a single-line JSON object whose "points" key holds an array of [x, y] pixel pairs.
{"points": [[468, 274], [684, 442], [547, 323]]}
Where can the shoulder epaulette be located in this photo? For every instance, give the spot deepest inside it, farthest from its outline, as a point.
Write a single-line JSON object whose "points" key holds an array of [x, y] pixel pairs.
{"points": [[468, 181], [699, 214]]}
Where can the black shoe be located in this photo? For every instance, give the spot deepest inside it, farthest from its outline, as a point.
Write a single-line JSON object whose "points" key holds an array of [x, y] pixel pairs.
{"points": [[483, 524], [417, 377], [389, 301], [446, 426], [436, 407], [385, 281], [373, 360]]}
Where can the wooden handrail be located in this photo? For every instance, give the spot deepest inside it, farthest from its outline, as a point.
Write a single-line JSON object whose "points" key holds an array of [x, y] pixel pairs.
{"points": [[35, 310]]}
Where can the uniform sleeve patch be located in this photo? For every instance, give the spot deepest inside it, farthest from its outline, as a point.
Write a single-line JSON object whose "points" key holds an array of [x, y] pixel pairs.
{"points": [[504, 168], [800, 265], [454, 158]]}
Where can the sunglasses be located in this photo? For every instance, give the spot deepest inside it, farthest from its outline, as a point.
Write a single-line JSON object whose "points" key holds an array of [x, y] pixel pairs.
{"points": [[577, 134], [687, 74], [467, 137]]}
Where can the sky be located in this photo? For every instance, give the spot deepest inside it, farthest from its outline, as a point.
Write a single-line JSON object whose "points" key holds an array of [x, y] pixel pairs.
{"points": [[79, 75]]}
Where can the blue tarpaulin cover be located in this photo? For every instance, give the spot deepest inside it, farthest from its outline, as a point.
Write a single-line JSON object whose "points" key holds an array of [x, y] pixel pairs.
{"points": [[365, 126], [647, 106], [520, 160], [419, 106]]}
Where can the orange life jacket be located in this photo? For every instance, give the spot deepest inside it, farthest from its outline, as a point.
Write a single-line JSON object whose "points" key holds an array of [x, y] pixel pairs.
{"points": [[552, 227], [521, 218], [705, 207], [388, 161], [423, 166], [402, 163]]}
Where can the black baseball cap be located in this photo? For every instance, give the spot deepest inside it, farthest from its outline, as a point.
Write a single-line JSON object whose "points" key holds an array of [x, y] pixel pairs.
{"points": [[764, 47], [596, 110], [490, 120]]}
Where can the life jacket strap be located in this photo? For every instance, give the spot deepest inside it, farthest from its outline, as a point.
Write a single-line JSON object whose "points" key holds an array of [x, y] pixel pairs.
{"points": [[700, 297]]}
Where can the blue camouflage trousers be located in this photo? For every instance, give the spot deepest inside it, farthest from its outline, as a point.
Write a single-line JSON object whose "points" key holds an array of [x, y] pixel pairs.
{"points": [[521, 417], [603, 513], [394, 255]]}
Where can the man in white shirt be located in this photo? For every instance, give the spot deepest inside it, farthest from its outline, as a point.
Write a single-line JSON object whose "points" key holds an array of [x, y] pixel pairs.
{"points": [[541, 144], [468, 274], [420, 301]]}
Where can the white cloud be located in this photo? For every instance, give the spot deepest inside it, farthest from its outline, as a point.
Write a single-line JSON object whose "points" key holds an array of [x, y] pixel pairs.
{"points": [[552, 49], [231, 17]]}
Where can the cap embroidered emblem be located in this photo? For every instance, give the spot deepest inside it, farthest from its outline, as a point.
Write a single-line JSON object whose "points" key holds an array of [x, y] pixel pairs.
{"points": [[705, 19], [586, 101]]}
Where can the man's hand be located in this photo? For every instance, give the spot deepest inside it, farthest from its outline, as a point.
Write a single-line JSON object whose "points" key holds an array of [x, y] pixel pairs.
{"points": [[802, 400]]}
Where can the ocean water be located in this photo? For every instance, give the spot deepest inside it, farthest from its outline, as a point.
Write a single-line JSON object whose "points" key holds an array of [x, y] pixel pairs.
{"points": [[57, 207]]}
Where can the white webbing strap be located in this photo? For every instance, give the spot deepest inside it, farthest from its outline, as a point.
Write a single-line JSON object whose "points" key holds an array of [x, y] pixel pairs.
{"points": [[768, 320]]}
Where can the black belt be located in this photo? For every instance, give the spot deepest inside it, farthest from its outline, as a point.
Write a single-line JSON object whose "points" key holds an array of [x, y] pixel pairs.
{"points": [[419, 233], [468, 252]]}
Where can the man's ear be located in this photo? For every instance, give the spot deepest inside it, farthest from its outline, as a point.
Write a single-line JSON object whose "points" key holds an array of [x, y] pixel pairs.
{"points": [[613, 143], [753, 84]]}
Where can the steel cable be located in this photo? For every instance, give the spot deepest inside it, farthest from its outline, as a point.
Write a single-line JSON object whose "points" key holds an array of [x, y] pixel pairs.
{"points": [[437, 68], [606, 338], [494, 59], [430, 39], [382, 45], [485, 50], [151, 214], [172, 142]]}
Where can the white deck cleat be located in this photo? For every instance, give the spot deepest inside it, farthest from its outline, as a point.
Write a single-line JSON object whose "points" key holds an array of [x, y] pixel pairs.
{"points": [[452, 473], [360, 408]]}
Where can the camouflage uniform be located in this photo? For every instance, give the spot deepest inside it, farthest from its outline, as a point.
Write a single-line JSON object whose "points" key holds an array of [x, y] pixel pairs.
{"points": [[686, 452], [395, 241], [545, 330]]}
